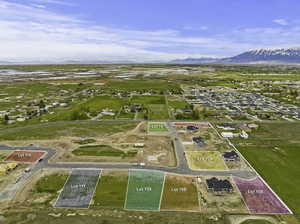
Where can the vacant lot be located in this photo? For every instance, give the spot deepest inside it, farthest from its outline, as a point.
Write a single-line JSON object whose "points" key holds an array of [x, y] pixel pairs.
{"points": [[49, 185], [259, 198], [274, 151], [111, 190], [25, 156], [144, 190], [180, 194], [79, 189], [205, 160]]}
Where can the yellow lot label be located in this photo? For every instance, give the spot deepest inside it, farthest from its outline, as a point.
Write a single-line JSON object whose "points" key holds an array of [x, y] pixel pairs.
{"points": [[207, 160]]}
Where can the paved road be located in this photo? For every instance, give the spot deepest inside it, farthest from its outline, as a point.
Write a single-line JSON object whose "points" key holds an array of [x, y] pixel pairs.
{"points": [[181, 168]]}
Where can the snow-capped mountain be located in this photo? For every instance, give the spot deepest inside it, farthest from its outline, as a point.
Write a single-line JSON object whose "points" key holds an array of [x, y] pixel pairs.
{"points": [[280, 55]]}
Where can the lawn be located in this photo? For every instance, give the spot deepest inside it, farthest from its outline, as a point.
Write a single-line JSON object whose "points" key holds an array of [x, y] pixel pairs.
{"points": [[144, 190], [205, 160], [111, 190], [180, 194], [85, 129], [274, 151], [102, 150]]}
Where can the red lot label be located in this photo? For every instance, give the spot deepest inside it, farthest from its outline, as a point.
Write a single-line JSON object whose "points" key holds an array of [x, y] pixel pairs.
{"points": [[25, 156]]}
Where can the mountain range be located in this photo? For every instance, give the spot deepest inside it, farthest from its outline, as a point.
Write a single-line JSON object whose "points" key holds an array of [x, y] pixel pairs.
{"points": [[279, 56], [258, 56]]}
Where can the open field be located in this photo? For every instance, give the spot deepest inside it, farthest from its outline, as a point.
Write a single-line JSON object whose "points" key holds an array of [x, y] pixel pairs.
{"points": [[205, 160], [259, 198], [180, 194], [144, 190], [72, 129], [107, 217], [111, 190], [274, 151], [79, 189], [25, 156]]}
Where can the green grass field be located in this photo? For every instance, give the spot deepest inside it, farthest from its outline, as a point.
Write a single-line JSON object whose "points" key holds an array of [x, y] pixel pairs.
{"points": [[205, 160], [179, 194], [85, 129], [111, 190], [145, 100], [274, 151], [158, 112], [144, 190], [144, 85], [177, 104], [157, 127], [92, 106], [102, 150]]}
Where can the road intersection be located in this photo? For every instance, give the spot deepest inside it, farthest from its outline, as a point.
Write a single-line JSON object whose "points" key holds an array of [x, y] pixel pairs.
{"points": [[182, 167]]}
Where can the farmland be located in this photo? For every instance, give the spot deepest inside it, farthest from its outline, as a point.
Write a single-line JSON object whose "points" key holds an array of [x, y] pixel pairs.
{"points": [[205, 160], [180, 194], [144, 190], [279, 145]]}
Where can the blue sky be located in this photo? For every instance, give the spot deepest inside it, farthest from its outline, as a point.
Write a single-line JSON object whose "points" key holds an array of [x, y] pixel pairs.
{"points": [[143, 30]]}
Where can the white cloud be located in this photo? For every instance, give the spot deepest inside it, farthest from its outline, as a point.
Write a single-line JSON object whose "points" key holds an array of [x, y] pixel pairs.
{"points": [[281, 22], [203, 28], [55, 2], [31, 33]]}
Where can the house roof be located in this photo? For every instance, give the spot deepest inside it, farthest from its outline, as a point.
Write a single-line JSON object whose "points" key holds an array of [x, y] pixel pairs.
{"points": [[230, 155], [219, 185]]}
